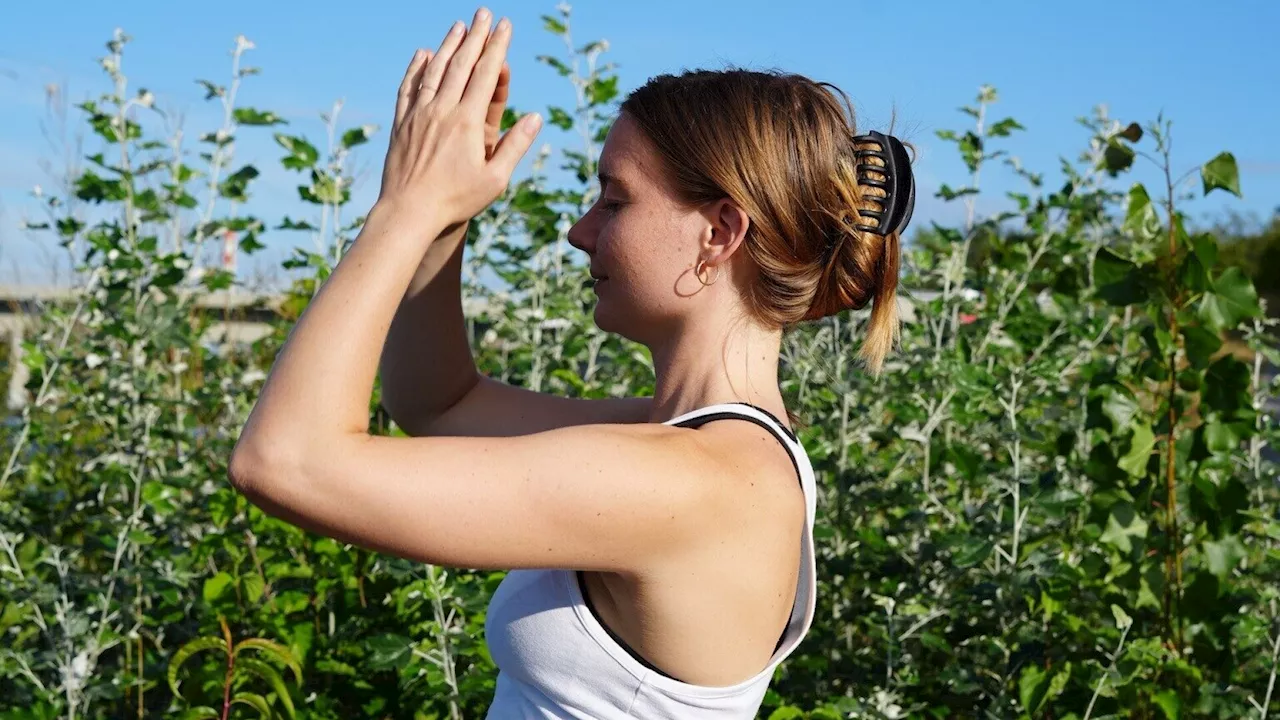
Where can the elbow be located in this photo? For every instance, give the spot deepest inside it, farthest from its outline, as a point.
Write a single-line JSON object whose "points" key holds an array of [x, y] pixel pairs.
{"points": [[256, 467]]}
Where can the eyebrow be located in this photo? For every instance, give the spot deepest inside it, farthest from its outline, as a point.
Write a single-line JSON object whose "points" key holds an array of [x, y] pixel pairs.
{"points": [[607, 179]]}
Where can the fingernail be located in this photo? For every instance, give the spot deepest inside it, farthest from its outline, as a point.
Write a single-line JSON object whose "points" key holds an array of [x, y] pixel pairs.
{"points": [[457, 28], [532, 123], [482, 14], [417, 54], [504, 25]]}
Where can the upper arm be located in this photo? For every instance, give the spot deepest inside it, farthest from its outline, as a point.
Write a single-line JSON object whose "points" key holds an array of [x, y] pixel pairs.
{"points": [[595, 497], [493, 408]]}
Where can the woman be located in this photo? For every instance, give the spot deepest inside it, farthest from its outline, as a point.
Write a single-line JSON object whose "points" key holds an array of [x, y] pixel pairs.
{"points": [[661, 563]]}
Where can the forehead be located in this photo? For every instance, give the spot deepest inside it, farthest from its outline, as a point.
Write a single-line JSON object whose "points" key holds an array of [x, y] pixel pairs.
{"points": [[629, 156]]}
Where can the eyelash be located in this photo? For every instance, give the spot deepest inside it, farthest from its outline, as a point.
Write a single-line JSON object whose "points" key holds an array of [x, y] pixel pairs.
{"points": [[610, 205]]}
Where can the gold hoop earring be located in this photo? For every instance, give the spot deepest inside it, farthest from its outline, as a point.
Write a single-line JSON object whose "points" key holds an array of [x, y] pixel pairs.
{"points": [[697, 272]]}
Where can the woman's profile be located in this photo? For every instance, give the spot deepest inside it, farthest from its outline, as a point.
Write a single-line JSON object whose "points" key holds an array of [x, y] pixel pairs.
{"points": [[661, 559]]}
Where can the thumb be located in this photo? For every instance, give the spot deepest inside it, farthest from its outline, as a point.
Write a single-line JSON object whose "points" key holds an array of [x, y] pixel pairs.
{"points": [[515, 143]]}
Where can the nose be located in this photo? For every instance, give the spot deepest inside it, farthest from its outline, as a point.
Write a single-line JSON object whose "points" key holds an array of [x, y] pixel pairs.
{"points": [[582, 234]]}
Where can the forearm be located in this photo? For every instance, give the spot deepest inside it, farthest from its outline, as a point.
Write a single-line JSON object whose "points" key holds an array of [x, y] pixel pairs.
{"points": [[318, 390], [426, 364]]}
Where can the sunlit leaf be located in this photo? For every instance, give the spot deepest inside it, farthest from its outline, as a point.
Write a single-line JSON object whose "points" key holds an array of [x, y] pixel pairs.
{"points": [[1221, 172]]}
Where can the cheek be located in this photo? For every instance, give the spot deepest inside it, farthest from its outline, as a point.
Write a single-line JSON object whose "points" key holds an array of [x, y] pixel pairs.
{"points": [[643, 247]]}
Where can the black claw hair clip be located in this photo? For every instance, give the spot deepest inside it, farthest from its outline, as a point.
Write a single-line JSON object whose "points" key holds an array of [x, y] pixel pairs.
{"points": [[898, 183]]}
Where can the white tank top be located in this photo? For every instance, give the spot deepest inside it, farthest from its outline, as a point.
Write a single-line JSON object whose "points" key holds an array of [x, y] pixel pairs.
{"points": [[556, 660]]}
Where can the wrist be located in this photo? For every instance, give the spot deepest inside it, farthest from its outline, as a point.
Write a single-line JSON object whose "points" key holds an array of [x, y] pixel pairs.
{"points": [[419, 224]]}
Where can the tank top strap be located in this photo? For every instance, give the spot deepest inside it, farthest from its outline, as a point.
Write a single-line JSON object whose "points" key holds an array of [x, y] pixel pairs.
{"points": [[746, 411]]}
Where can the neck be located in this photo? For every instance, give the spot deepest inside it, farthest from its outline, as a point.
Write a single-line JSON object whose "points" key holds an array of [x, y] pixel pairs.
{"points": [[716, 362]]}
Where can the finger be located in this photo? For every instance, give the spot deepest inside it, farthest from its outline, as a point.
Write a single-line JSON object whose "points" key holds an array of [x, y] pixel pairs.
{"points": [[484, 78], [498, 103], [515, 144], [434, 71], [409, 86], [464, 60]]}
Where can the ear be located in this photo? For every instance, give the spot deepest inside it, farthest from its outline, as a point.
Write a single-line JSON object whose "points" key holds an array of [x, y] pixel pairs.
{"points": [[728, 224]]}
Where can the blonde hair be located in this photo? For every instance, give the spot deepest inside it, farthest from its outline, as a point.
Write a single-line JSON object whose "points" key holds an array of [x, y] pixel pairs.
{"points": [[782, 147]]}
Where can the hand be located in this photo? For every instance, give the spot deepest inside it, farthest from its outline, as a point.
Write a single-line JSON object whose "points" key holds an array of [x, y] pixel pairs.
{"points": [[446, 158]]}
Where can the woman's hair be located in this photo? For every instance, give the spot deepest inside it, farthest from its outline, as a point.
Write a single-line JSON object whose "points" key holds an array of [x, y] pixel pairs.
{"points": [[782, 147]]}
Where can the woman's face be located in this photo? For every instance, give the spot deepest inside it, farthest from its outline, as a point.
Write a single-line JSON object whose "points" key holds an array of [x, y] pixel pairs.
{"points": [[640, 239]]}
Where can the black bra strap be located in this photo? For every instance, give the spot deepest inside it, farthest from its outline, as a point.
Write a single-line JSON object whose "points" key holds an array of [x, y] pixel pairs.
{"points": [[729, 415], [697, 422]]}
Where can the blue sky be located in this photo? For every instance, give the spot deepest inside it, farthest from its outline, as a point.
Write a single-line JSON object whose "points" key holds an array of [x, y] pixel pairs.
{"points": [[1208, 69]]}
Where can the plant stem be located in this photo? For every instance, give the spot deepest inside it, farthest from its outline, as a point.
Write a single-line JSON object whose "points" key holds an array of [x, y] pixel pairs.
{"points": [[1173, 560], [1271, 681], [1098, 688], [231, 667]]}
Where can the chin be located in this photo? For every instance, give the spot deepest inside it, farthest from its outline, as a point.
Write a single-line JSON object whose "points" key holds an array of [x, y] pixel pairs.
{"points": [[602, 319]]}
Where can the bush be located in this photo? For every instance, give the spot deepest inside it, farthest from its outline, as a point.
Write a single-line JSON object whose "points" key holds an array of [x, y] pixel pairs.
{"points": [[1058, 501]]}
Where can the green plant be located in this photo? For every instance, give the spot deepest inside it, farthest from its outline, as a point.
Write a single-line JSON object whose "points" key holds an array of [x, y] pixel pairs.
{"points": [[241, 668], [1058, 501]]}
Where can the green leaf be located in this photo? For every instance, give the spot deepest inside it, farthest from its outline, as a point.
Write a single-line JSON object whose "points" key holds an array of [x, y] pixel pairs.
{"points": [[1033, 687], [946, 192], [1227, 384], [201, 712], [302, 154], [1200, 345], [602, 90], [1220, 438], [271, 676], [1132, 132], [1119, 406], [274, 650], [288, 224], [559, 65], [1135, 460], [1205, 247], [387, 651], [1169, 703], [1123, 524], [1004, 127], [253, 587], [254, 701], [1122, 618], [1221, 172], [1231, 300], [971, 552], [1140, 218], [236, 185], [787, 712], [251, 116], [1118, 279], [1192, 273], [215, 586], [358, 136], [558, 117], [1222, 556], [207, 642], [212, 90], [335, 667], [1116, 157], [553, 25]]}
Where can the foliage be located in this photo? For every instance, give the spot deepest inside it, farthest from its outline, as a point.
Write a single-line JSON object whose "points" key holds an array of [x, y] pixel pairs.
{"points": [[1059, 501]]}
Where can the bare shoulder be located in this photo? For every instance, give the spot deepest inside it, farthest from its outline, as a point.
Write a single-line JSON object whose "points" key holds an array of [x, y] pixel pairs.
{"points": [[496, 409], [759, 470]]}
